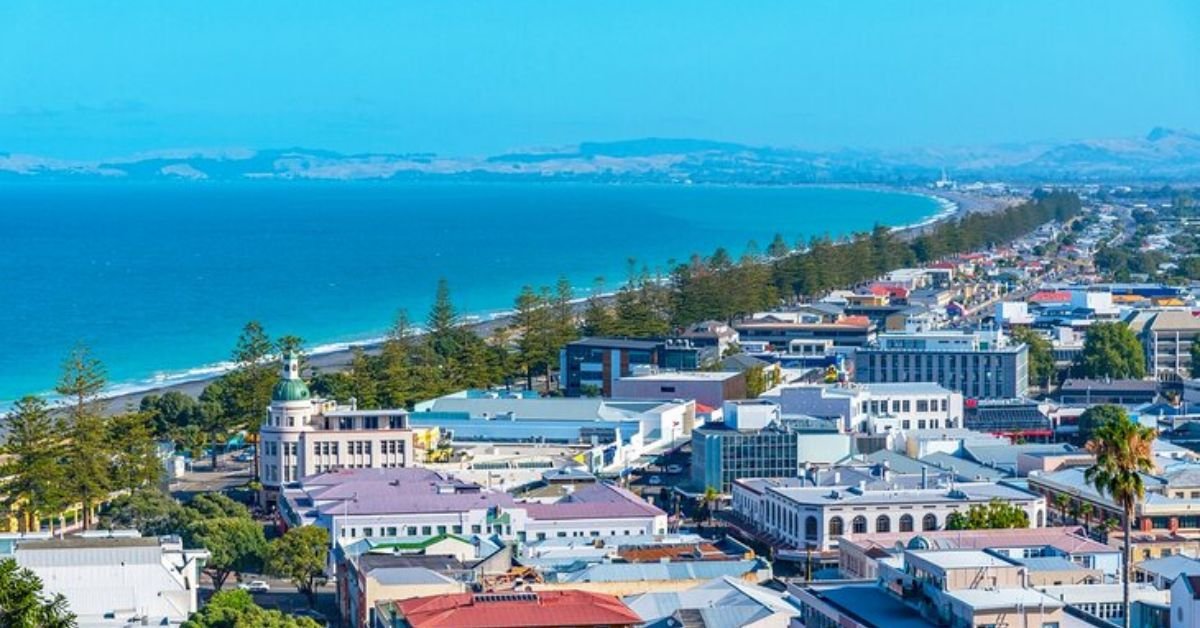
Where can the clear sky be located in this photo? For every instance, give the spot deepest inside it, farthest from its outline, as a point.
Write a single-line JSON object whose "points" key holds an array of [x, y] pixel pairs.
{"points": [[92, 79]]}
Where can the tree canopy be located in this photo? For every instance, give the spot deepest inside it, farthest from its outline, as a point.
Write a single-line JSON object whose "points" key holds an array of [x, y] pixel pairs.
{"points": [[995, 515], [301, 556], [236, 609], [23, 604], [1112, 350]]}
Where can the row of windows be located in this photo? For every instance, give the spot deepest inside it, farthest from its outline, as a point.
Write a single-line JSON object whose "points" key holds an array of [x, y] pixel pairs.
{"points": [[883, 523], [880, 406]]}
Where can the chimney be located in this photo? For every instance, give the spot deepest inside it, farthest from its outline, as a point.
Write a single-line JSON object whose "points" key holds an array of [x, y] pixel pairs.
{"points": [[924, 476]]}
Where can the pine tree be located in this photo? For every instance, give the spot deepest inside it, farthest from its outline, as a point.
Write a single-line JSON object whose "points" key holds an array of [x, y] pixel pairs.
{"points": [[533, 321], [31, 476], [87, 459], [442, 322], [134, 454]]}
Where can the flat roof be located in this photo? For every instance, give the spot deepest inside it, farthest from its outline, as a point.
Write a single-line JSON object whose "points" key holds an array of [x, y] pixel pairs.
{"points": [[683, 376], [870, 604], [962, 558], [982, 599]]}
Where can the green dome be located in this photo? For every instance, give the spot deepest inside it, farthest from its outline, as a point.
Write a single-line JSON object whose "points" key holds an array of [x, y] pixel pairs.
{"points": [[290, 390]]}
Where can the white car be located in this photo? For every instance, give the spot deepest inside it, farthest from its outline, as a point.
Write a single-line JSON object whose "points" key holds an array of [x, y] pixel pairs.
{"points": [[674, 468], [255, 586], [655, 480]]}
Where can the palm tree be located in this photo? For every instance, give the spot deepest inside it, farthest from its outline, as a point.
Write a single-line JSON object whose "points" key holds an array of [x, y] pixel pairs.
{"points": [[1076, 511], [1108, 525], [1123, 452], [1086, 510], [1061, 501], [708, 502], [23, 605]]}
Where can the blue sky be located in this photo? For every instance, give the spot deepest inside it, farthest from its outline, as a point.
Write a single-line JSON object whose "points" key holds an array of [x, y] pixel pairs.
{"points": [[91, 79]]}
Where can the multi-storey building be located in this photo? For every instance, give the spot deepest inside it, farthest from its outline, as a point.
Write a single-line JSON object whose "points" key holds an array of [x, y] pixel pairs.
{"points": [[876, 408], [303, 435], [805, 517], [980, 365], [1167, 338], [593, 364], [850, 331], [754, 441]]}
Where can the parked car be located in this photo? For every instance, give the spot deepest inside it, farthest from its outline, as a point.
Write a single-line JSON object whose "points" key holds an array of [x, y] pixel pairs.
{"points": [[655, 480], [247, 455], [674, 468], [255, 586]]}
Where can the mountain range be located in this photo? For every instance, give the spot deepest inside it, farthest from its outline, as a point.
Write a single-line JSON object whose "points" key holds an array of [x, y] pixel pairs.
{"points": [[1162, 155]]}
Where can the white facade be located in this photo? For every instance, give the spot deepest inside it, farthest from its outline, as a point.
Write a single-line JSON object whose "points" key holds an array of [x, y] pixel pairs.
{"points": [[815, 517], [877, 408], [367, 503], [1013, 313], [302, 436]]}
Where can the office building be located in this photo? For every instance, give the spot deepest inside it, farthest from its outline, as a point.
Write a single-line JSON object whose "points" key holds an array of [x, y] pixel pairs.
{"points": [[589, 366], [876, 408], [754, 441], [979, 365]]}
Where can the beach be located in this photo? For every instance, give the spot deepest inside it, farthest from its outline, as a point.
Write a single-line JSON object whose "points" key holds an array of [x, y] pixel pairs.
{"points": [[337, 357]]}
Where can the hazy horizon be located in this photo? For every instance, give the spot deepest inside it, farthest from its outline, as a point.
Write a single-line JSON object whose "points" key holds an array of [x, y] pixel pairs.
{"points": [[82, 81]]}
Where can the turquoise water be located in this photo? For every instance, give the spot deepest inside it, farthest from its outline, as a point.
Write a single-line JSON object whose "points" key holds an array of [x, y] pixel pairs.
{"points": [[159, 278]]}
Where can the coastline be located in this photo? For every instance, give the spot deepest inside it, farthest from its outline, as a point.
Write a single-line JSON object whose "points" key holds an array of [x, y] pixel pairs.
{"points": [[336, 356]]}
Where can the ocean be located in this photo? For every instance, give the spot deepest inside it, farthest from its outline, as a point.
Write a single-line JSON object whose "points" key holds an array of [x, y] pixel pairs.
{"points": [[158, 278]]}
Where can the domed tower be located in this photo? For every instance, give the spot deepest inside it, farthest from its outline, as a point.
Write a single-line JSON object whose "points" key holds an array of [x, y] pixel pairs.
{"points": [[281, 456]]}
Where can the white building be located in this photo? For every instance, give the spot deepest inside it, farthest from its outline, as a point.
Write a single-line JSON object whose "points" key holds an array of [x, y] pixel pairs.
{"points": [[303, 435], [1013, 313], [876, 408], [814, 517], [114, 579], [366, 503]]}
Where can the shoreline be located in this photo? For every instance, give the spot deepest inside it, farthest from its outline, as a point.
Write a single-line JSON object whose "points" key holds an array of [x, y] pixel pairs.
{"points": [[335, 356]]}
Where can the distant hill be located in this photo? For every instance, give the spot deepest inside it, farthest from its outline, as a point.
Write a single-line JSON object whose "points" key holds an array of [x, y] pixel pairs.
{"points": [[1163, 154]]}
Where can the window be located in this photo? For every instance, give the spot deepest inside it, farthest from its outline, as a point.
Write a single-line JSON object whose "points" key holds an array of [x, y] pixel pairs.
{"points": [[368, 531], [859, 525], [883, 524], [810, 527], [836, 527], [426, 530], [906, 523], [391, 531], [476, 529], [922, 405], [929, 522]]}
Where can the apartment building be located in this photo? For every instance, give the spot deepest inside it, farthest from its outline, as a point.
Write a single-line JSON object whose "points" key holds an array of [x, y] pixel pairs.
{"points": [[979, 365]]}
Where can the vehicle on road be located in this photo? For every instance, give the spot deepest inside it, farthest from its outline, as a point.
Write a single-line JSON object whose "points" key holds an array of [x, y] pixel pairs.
{"points": [[674, 468], [255, 586], [655, 480], [246, 456]]}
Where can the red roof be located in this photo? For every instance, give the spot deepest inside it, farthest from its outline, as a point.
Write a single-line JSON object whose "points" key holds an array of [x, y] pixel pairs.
{"points": [[1051, 296], [517, 610], [704, 409], [855, 321], [881, 289]]}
